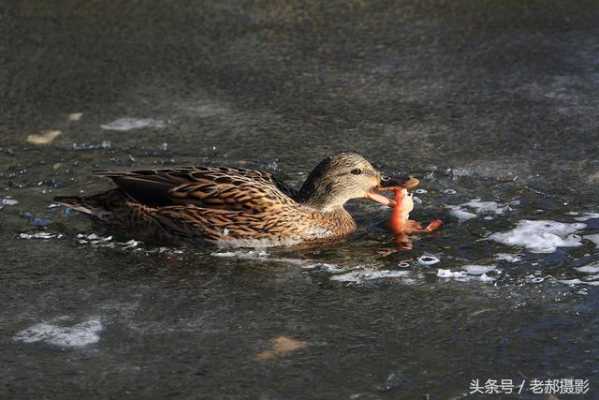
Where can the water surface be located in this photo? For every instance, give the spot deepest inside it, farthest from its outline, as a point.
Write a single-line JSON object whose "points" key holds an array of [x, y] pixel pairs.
{"points": [[493, 105]]}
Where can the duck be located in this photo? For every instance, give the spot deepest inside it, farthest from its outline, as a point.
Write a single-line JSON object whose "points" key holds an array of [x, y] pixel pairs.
{"points": [[235, 206]]}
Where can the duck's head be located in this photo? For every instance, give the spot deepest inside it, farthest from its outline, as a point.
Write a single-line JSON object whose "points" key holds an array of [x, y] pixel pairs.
{"points": [[343, 177]]}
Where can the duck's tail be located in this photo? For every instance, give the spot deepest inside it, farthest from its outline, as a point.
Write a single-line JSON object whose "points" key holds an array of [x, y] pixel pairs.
{"points": [[74, 202], [98, 206]]}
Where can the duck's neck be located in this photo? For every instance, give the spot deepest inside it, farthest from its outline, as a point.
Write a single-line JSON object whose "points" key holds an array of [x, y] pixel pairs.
{"points": [[328, 207], [316, 194], [323, 202]]}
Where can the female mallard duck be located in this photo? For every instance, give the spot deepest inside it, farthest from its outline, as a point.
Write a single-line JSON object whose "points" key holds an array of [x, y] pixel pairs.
{"points": [[236, 206]]}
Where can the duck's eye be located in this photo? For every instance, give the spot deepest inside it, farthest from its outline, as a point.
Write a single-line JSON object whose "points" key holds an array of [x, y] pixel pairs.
{"points": [[356, 171]]}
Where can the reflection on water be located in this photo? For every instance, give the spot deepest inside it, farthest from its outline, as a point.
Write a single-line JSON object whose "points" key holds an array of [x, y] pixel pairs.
{"points": [[491, 105]]}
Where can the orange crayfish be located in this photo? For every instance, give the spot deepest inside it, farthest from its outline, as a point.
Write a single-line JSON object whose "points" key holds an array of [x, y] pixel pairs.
{"points": [[400, 223]]}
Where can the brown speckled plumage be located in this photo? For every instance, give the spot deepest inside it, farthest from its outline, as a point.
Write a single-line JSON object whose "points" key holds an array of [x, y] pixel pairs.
{"points": [[233, 205]]}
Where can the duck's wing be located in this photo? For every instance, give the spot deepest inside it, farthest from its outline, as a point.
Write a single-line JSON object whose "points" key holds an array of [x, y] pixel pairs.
{"points": [[216, 188]]}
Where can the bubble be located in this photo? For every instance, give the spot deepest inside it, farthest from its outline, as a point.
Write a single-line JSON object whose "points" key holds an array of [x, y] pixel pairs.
{"points": [[428, 260]]}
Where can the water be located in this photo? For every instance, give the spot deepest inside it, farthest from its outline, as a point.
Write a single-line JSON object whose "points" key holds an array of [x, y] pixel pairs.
{"points": [[491, 105]]}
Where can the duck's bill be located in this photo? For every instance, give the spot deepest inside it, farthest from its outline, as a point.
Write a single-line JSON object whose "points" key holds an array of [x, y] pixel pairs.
{"points": [[389, 183], [379, 198]]}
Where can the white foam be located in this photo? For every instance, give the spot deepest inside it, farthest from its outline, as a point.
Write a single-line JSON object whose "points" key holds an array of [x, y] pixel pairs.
{"points": [[475, 274], [244, 255], [587, 216], [257, 243], [589, 269], [133, 245], [40, 235], [449, 274], [8, 201], [458, 172], [479, 269], [461, 214], [593, 238], [130, 244], [126, 124], [573, 282], [97, 241], [368, 274], [265, 256], [486, 207], [326, 267], [94, 237], [542, 236], [513, 258], [78, 335], [486, 278]]}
